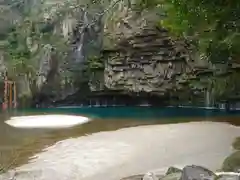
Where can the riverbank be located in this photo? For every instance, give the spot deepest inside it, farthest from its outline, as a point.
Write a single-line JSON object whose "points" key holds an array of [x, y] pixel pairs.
{"points": [[116, 154]]}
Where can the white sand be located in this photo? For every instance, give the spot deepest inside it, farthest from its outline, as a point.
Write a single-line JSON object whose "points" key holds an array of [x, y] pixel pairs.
{"points": [[116, 154], [46, 121]]}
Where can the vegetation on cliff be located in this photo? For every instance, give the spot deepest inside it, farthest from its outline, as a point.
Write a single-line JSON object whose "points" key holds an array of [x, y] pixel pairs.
{"points": [[212, 30], [36, 39], [232, 163], [25, 40], [213, 27]]}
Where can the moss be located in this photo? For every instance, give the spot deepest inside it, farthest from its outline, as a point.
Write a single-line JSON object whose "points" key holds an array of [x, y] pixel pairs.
{"points": [[95, 62], [236, 144], [232, 162]]}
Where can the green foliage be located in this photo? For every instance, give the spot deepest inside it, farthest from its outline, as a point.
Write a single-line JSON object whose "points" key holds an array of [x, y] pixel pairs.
{"points": [[232, 163], [196, 84], [214, 24], [17, 51], [224, 87], [147, 4], [236, 144], [24, 42], [95, 62], [213, 27]]}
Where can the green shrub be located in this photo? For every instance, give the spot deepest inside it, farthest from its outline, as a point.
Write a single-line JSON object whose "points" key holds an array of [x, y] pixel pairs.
{"points": [[236, 143]]}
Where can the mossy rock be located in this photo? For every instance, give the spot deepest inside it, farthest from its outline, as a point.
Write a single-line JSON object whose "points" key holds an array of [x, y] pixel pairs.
{"points": [[236, 144], [173, 170], [232, 163]]}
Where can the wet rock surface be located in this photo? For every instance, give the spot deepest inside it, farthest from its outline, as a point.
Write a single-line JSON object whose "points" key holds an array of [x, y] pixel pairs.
{"points": [[228, 177], [190, 172], [197, 172]]}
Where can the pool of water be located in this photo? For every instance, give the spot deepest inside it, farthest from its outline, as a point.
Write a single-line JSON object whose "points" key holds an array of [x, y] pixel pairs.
{"points": [[18, 145], [136, 112]]}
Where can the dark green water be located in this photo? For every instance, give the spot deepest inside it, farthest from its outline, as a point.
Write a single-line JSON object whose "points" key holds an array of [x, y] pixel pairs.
{"points": [[136, 112], [27, 142]]}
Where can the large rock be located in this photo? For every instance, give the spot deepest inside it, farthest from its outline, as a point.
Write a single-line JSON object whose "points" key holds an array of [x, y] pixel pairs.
{"points": [[228, 177], [194, 172], [148, 62], [232, 163], [46, 65], [173, 170], [236, 144], [173, 176]]}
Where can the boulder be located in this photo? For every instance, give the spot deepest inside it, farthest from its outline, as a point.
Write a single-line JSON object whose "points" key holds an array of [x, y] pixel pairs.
{"points": [[194, 172], [236, 144], [232, 163], [173, 176], [190, 172], [134, 177], [173, 170], [228, 176]]}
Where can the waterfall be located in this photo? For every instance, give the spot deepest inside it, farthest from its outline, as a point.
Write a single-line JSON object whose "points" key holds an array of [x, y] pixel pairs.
{"points": [[79, 48], [105, 103], [84, 34], [67, 26], [238, 106], [222, 106], [97, 103], [207, 99], [114, 102], [44, 65]]}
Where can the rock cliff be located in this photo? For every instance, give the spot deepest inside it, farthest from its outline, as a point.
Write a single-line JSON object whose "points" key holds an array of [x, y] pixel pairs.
{"points": [[154, 63], [52, 42], [148, 62], [137, 58]]}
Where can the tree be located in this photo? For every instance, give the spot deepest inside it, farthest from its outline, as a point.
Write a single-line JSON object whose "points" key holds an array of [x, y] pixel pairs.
{"points": [[213, 25]]}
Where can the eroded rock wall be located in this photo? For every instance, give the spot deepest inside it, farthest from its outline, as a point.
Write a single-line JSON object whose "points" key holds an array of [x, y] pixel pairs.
{"points": [[148, 62]]}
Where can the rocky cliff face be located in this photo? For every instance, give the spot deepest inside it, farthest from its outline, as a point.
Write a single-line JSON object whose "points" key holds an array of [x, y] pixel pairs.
{"points": [[154, 63], [125, 19], [64, 37], [137, 57], [148, 62]]}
